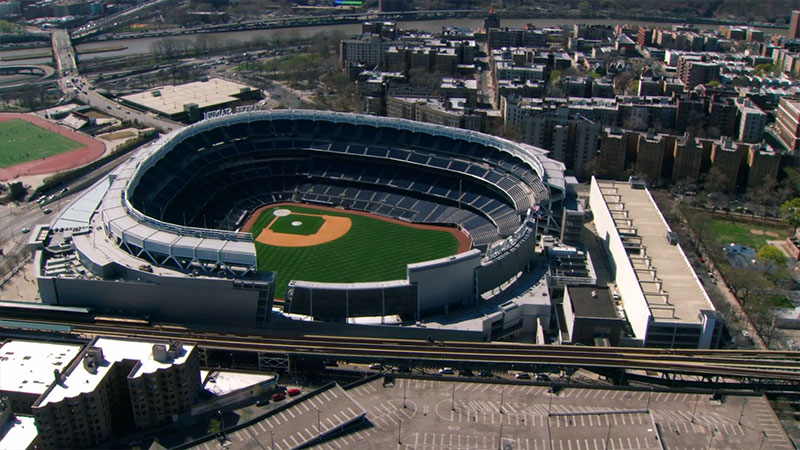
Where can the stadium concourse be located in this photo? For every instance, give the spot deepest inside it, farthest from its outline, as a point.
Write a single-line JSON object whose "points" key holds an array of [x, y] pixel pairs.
{"points": [[159, 236]]}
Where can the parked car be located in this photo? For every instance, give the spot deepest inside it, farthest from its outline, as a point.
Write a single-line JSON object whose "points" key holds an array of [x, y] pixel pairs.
{"points": [[376, 366], [293, 392], [523, 376], [278, 396], [447, 371], [262, 402]]}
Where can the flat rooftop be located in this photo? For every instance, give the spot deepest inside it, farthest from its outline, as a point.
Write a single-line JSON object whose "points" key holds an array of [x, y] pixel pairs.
{"points": [[27, 366], [592, 301], [669, 284], [80, 380], [169, 100], [18, 433]]}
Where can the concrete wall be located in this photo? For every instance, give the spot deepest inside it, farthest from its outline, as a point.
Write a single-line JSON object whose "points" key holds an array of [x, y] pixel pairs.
{"points": [[171, 299], [636, 307], [445, 281]]}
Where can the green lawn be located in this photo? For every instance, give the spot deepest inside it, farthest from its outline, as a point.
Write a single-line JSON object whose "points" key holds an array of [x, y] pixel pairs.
{"points": [[752, 234], [373, 250], [22, 141], [308, 224]]}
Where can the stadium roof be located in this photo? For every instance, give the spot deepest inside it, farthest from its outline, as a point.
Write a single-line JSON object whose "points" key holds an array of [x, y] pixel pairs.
{"points": [[169, 100]]}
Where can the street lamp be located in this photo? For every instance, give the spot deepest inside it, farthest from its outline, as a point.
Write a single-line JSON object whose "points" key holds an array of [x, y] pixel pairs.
{"points": [[694, 410], [399, 430], [319, 428]]}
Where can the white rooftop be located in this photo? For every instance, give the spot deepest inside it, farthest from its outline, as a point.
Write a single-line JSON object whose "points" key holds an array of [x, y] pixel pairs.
{"points": [[681, 296], [81, 381], [169, 100], [221, 383], [18, 433], [27, 366]]}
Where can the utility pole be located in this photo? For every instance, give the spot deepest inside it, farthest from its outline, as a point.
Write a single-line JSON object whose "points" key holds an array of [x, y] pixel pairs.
{"points": [[453, 399], [399, 430]]}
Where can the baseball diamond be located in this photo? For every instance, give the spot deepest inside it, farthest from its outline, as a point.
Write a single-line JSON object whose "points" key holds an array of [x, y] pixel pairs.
{"points": [[346, 247]]}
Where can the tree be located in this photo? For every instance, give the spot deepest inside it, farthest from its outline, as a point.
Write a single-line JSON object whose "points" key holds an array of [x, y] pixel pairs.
{"points": [[715, 181], [772, 256], [214, 426], [790, 210], [764, 195], [744, 282], [16, 191]]}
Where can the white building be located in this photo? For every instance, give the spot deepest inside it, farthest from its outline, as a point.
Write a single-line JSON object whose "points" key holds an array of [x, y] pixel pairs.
{"points": [[663, 300]]}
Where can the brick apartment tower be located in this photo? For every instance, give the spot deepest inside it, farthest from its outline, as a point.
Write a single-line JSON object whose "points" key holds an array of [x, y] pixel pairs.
{"points": [[794, 25]]}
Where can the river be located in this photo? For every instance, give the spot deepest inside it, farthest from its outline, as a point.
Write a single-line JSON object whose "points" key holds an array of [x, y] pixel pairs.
{"points": [[145, 45]]}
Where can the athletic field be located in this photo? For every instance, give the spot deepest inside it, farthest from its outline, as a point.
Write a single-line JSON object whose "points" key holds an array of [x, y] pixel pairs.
{"points": [[22, 141], [370, 249]]}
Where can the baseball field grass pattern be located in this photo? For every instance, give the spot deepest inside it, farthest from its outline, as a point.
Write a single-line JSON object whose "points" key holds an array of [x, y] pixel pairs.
{"points": [[373, 250]]}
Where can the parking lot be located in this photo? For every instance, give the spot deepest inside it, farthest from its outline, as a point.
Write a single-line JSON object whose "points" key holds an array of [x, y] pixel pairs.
{"points": [[455, 414]]}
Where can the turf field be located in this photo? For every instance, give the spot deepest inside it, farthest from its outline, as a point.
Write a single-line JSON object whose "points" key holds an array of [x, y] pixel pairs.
{"points": [[373, 250], [308, 224], [22, 141]]}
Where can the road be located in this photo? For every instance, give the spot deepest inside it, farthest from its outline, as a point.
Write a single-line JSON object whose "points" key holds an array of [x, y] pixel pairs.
{"points": [[27, 215], [76, 86]]}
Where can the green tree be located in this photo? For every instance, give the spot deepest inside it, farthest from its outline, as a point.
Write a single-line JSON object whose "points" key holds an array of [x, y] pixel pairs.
{"points": [[772, 256], [555, 75], [214, 426], [790, 210], [16, 191]]}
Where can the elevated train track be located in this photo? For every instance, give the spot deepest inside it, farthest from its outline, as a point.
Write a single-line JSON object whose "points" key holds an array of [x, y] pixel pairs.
{"points": [[774, 365]]}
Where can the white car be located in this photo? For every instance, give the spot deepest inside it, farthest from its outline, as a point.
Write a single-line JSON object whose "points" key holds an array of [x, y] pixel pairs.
{"points": [[447, 371]]}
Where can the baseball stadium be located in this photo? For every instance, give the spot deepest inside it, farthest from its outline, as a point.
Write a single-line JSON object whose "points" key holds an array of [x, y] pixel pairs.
{"points": [[339, 216]]}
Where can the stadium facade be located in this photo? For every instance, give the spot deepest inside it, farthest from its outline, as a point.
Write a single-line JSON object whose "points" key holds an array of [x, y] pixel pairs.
{"points": [[158, 237]]}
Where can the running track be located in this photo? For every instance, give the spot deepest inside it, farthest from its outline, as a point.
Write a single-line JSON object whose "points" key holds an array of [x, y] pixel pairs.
{"points": [[91, 150]]}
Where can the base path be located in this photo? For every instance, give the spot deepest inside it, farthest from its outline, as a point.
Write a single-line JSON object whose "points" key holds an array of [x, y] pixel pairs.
{"points": [[91, 150], [464, 242], [333, 228]]}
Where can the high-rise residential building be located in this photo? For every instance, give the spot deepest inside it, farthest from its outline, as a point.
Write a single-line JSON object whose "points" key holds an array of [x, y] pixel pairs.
{"points": [[651, 153], [571, 139], [752, 121], [687, 160], [616, 148], [728, 157], [112, 384], [788, 123], [794, 25], [763, 165], [694, 71]]}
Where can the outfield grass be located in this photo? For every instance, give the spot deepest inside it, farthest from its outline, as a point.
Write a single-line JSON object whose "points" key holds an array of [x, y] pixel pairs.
{"points": [[22, 141], [373, 250], [309, 224]]}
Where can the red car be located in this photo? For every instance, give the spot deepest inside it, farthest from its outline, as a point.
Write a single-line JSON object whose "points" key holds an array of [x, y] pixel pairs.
{"points": [[278, 397], [293, 392]]}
